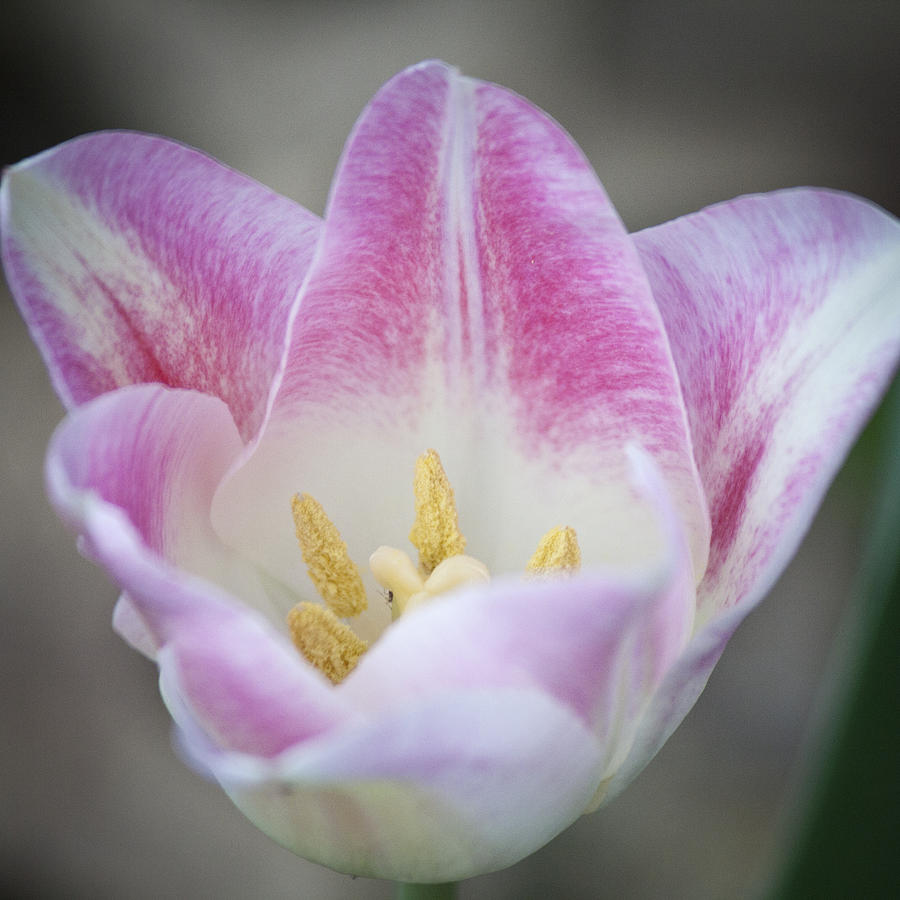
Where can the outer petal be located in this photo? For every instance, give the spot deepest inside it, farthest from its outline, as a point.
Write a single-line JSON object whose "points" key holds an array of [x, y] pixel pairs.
{"points": [[784, 317], [135, 259], [783, 313], [158, 455], [458, 785], [674, 697], [124, 470], [474, 291], [131, 627]]}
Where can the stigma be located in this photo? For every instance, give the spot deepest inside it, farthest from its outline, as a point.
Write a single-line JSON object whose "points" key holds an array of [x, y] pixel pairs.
{"points": [[322, 633], [406, 588]]}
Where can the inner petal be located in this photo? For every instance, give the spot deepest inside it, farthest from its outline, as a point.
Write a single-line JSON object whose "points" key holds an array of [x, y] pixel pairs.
{"points": [[473, 290]]}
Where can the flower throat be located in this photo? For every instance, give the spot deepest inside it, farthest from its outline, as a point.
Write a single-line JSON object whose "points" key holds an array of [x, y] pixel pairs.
{"points": [[319, 631]]}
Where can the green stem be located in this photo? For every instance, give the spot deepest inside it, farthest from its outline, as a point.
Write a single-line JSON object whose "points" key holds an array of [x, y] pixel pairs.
{"points": [[426, 891]]}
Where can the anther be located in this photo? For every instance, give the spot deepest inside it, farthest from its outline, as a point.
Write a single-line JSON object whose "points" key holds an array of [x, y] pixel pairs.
{"points": [[331, 570], [325, 641], [435, 533], [557, 552]]}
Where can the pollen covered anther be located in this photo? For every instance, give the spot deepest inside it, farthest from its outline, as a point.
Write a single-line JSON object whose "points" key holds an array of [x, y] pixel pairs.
{"points": [[435, 533], [557, 553], [324, 640], [331, 570]]}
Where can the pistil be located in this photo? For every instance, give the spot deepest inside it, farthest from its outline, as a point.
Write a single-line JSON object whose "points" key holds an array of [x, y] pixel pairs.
{"points": [[406, 588]]}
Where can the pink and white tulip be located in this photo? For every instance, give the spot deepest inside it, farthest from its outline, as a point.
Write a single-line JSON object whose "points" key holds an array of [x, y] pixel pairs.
{"points": [[680, 397]]}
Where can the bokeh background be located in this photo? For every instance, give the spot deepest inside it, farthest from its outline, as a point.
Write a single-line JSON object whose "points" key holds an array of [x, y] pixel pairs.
{"points": [[677, 106]]}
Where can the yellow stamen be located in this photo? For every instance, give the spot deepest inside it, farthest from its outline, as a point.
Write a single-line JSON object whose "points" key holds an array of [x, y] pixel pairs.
{"points": [[331, 570], [558, 552], [325, 641], [435, 533]]}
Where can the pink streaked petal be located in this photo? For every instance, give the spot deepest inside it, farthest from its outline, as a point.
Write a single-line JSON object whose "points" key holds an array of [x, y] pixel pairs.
{"points": [[157, 455], [247, 685], [474, 291], [243, 680], [784, 319], [136, 259], [783, 313], [437, 790], [598, 642]]}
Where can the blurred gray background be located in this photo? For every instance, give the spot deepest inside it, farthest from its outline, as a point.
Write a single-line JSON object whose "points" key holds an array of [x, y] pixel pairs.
{"points": [[677, 106]]}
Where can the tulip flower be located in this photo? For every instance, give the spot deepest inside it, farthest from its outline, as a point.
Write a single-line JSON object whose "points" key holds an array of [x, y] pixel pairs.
{"points": [[437, 514]]}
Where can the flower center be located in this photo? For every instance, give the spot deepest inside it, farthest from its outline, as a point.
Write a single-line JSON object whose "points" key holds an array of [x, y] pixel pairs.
{"points": [[407, 589], [319, 632]]}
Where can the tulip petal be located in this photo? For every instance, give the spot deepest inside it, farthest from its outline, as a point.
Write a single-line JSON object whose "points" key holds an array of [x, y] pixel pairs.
{"points": [[474, 291], [131, 627], [157, 455], [459, 784], [674, 697], [127, 471], [784, 319], [249, 689], [136, 259]]}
